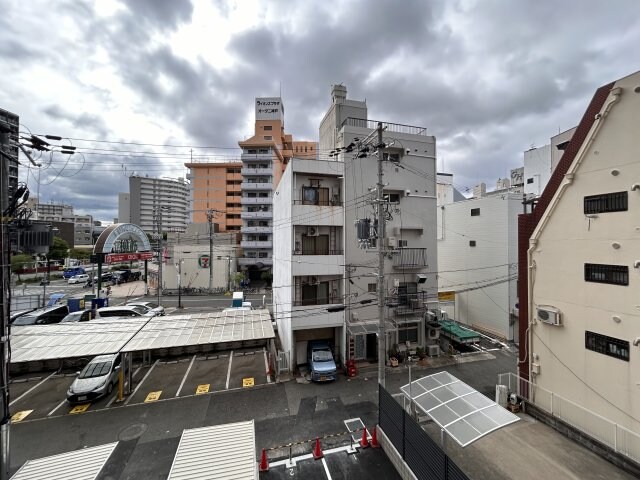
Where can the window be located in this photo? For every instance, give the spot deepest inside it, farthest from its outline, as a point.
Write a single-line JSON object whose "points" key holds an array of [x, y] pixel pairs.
{"points": [[530, 180], [268, 137], [475, 212], [372, 287], [403, 243], [263, 254], [252, 151], [393, 157], [268, 127], [472, 243], [612, 347], [408, 333], [605, 203], [393, 197], [265, 150], [315, 196], [612, 274]]}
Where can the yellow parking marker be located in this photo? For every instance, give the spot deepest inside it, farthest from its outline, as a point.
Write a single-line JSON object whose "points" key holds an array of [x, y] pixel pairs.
{"points": [[247, 382], [202, 389], [19, 416], [80, 408], [153, 396]]}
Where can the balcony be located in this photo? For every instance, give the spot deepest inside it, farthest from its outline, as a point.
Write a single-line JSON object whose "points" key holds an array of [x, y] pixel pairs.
{"points": [[256, 171], [256, 215], [256, 186], [255, 229], [319, 251], [248, 157], [256, 200], [410, 258], [409, 304], [256, 244], [254, 261]]}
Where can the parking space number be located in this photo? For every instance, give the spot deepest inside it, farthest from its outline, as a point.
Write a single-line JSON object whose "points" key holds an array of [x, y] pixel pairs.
{"points": [[247, 382], [80, 408], [19, 416], [202, 389], [153, 396]]}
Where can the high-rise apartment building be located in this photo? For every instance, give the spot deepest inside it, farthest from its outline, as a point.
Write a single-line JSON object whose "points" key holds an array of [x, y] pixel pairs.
{"points": [[12, 122], [216, 187], [148, 196], [264, 158]]}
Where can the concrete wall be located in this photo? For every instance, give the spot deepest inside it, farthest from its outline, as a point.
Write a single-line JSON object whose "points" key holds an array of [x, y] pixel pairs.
{"points": [[566, 239], [537, 169]]}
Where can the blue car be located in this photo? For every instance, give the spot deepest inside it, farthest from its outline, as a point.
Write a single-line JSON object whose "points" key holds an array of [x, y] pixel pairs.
{"points": [[320, 359]]}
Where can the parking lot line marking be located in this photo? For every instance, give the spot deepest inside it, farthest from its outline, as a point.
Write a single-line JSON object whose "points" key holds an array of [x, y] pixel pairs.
{"points": [[326, 468], [110, 402], [184, 379], [266, 364], [136, 372], [153, 396], [80, 408], [19, 416], [203, 389], [229, 369], [32, 389], [247, 382], [133, 394], [54, 410]]}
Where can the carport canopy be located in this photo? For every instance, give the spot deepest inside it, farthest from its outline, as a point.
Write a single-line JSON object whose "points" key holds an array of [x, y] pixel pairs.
{"points": [[201, 329], [463, 412], [223, 452], [84, 464]]}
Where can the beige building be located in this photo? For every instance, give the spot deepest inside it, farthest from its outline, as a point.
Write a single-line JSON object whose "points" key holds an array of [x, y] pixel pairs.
{"points": [[580, 276]]}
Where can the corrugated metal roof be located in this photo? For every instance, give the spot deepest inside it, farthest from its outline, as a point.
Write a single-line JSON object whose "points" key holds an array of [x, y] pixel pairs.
{"points": [[202, 328], [220, 452], [68, 340], [82, 464]]}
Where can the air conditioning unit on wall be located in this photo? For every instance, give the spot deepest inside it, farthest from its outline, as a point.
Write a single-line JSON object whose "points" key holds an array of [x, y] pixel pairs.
{"points": [[312, 231], [550, 315]]}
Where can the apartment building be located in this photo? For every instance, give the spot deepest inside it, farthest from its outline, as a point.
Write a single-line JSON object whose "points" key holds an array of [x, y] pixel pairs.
{"points": [[83, 225], [265, 156], [540, 162], [148, 196], [11, 121], [579, 265], [215, 188]]}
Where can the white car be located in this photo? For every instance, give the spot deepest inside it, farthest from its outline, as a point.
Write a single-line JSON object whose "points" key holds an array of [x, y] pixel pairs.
{"points": [[150, 306], [124, 311], [81, 278]]}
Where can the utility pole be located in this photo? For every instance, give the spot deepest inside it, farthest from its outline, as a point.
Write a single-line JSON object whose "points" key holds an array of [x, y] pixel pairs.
{"points": [[179, 265], [210, 220], [382, 334], [160, 254]]}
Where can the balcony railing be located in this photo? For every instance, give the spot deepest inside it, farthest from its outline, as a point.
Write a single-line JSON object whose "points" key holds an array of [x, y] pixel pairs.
{"points": [[318, 251], [257, 215], [319, 203], [256, 186], [256, 171], [307, 302], [409, 303], [391, 127], [256, 200], [410, 258]]}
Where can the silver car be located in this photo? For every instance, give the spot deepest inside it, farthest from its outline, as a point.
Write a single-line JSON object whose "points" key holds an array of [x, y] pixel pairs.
{"points": [[150, 306], [95, 380]]}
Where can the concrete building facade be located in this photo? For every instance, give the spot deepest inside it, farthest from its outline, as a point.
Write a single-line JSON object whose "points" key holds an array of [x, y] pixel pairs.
{"points": [[540, 162], [61, 212], [579, 264], [11, 121], [147, 195]]}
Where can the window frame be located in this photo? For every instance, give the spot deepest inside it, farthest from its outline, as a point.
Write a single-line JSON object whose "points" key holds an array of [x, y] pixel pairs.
{"points": [[606, 203], [475, 212], [606, 345], [608, 274]]}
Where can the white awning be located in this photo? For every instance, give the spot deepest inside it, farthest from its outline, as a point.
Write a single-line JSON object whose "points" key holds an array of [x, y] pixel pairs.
{"points": [[463, 412], [82, 464], [220, 452]]}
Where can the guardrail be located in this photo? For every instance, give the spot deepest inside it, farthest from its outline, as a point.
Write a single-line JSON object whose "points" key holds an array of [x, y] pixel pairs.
{"points": [[618, 438]]}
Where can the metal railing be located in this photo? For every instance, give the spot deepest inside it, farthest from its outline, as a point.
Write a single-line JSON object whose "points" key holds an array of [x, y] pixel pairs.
{"points": [[410, 258], [618, 438], [391, 127], [319, 203], [318, 251]]}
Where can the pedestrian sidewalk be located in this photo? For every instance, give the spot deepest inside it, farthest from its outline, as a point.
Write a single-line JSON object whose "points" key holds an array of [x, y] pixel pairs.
{"points": [[127, 290]]}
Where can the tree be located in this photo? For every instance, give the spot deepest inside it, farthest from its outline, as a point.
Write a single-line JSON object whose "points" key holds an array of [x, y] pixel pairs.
{"points": [[59, 249], [267, 277], [80, 253], [19, 262], [237, 278]]}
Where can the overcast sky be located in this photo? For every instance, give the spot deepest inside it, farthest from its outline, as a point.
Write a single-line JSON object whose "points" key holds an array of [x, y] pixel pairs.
{"points": [[488, 78]]}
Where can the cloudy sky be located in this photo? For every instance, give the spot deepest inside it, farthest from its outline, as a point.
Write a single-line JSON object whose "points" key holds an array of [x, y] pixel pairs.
{"points": [[488, 78]]}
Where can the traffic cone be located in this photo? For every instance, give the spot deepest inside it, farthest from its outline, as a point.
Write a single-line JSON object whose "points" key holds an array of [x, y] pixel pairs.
{"points": [[364, 441], [374, 438], [264, 463], [317, 451]]}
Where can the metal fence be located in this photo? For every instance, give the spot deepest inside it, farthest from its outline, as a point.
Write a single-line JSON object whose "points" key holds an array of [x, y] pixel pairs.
{"points": [[618, 438], [282, 362], [421, 453], [25, 302]]}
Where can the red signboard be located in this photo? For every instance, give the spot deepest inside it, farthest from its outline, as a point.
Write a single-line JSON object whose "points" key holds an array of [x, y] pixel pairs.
{"points": [[127, 257]]}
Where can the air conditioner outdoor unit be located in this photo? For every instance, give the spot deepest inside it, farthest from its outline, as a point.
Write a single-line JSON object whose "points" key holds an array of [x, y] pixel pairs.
{"points": [[392, 242], [549, 315], [312, 232]]}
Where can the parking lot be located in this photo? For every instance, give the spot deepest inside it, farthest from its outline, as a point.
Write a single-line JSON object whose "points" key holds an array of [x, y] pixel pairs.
{"points": [[40, 396]]}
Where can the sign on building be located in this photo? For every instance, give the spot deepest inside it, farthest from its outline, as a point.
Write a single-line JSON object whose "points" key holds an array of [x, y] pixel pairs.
{"points": [[269, 108], [203, 260], [446, 296]]}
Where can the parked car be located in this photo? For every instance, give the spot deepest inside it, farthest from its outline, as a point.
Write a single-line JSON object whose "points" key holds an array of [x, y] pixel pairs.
{"points": [[124, 311], [154, 307], [95, 380], [320, 360], [81, 278], [80, 316], [20, 313], [43, 316]]}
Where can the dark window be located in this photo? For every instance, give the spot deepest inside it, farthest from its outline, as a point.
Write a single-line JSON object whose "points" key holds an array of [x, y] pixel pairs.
{"points": [[408, 333], [403, 243], [613, 274], [393, 197], [607, 202], [268, 137], [268, 127], [372, 287], [475, 212], [472, 243], [529, 180], [612, 347]]}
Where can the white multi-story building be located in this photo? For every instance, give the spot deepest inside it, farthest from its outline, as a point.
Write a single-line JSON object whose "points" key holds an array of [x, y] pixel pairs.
{"points": [[148, 196], [540, 162], [580, 266]]}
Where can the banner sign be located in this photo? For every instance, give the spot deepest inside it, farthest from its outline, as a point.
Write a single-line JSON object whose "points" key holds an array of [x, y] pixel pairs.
{"points": [[446, 296], [127, 257]]}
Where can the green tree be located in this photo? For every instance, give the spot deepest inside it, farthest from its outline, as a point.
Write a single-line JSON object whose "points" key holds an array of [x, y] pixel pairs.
{"points": [[59, 249], [237, 278], [19, 262], [80, 253], [267, 277]]}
